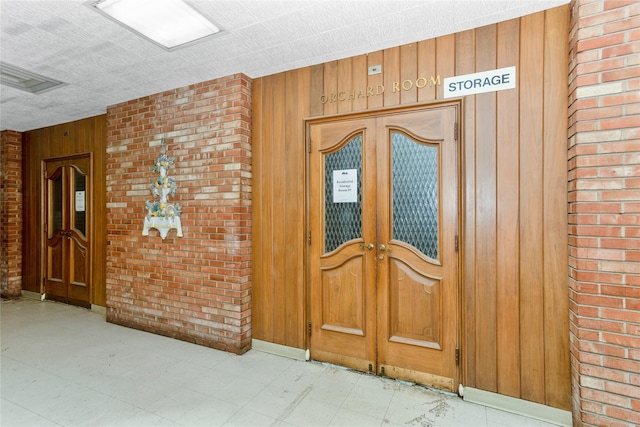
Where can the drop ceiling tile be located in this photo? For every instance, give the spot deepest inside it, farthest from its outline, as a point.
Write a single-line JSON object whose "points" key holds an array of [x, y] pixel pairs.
{"points": [[104, 64]]}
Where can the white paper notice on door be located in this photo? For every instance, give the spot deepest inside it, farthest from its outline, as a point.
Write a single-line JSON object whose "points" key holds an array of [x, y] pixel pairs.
{"points": [[345, 186], [80, 201]]}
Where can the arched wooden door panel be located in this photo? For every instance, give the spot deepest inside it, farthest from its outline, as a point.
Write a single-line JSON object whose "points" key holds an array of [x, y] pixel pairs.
{"points": [[342, 268], [67, 275], [383, 216]]}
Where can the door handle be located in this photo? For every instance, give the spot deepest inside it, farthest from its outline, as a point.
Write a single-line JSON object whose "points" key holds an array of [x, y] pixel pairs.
{"points": [[369, 247], [383, 248]]}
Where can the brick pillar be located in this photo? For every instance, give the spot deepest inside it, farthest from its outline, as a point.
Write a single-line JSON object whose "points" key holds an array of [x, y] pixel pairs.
{"points": [[604, 212], [197, 287], [11, 213]]}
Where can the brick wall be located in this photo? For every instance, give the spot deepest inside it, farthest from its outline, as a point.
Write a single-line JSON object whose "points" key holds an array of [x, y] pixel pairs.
{"points": [[10, 214], [604, 220], [196, 288]]}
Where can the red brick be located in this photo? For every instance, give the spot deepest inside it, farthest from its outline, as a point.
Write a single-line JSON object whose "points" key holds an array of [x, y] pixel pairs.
{"points": [[602, 254], [601, 325], [599, 301], [600, 65], [621, 291], [599, 160], [11, 218], [631, 256], [623, 414], [621, 50], [603, 373], [624, 364], [602, 349], [599, 42], [621, 243], [601, 18], [619, 99], [631, 195], [618, 171], [598, 113], [625, 147], [585, 8], [624, 219], [624, 315], [598, 277], [615, 4], [630, 23], [602, 231], [590, 419], [632, 233], [619, 122], [159, 285], [622, 340], [623, 389], [608, 207], [603, 397]]}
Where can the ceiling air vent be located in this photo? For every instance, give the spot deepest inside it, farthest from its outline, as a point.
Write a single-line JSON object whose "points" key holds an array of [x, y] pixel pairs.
{"points": [[26, 80]]}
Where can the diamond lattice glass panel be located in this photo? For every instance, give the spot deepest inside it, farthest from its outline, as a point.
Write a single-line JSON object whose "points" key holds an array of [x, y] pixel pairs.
{"points": [[415, 194], [343, 220], [56, 204], [80, 214]]}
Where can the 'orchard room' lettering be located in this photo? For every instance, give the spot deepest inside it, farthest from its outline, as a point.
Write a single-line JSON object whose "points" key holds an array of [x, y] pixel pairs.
{"points": [[398, 86]]}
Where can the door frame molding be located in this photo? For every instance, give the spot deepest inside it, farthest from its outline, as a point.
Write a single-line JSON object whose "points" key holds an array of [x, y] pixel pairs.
{"points": [[43, 216], [458, 103]]}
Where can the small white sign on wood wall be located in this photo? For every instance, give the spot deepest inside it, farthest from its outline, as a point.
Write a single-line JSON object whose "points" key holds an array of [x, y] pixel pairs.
{"points": [[486, 81]]}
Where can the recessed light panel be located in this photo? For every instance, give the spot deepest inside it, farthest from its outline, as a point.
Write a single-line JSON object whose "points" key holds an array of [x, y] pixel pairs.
{"points": [[169, 23], [18, 78]]}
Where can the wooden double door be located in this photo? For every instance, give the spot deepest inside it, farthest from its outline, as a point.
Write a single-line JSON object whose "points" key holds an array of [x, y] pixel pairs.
{"points": [[383, 219], [67, 205]]}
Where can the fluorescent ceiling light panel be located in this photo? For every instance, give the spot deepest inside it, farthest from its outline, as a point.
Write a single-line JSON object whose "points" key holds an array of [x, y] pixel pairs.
{"points": [[169, 23], [18, 78]]}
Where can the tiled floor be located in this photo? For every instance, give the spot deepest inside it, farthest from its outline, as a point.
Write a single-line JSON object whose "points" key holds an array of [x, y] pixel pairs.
{"points": [[63, 365]]}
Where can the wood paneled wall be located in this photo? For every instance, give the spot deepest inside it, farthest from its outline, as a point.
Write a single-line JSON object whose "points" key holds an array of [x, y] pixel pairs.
{"points": [[514, 305], [280, 104], [82, 136]]}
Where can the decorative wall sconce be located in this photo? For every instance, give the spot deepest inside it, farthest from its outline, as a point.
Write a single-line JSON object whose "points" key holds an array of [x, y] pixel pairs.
{"points": [[162, 215]]}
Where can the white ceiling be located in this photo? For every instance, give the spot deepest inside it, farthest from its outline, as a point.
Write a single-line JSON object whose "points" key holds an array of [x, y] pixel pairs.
{"points": [[103, 64]]}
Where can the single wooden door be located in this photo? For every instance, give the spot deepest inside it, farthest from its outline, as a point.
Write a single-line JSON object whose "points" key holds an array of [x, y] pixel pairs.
{"points": [[67, 275], [342, 216], [384, 230]]}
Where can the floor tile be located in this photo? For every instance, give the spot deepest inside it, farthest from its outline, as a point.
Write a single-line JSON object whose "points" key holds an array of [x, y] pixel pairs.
{"points": [[334, 385], [408, 408], [455, 412], [273, 401], [63, 365], [212, 412], [497, 418], [299, 376], [142, 418], [239, 391], [176, 404], [365, 401], [17, 416], [310, 412], [246, 417], [347, 417]]}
